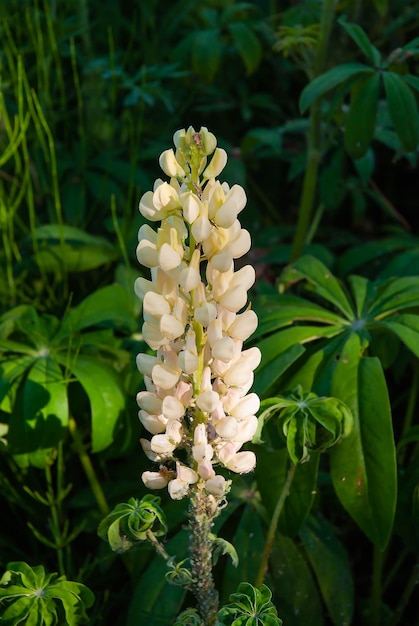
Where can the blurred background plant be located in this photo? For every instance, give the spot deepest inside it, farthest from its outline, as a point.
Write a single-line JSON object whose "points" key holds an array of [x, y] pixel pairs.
{"points": [[316, 105]]}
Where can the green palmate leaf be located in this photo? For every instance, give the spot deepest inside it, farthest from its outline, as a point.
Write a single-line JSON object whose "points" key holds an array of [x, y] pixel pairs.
{"points": [[296, 594], [403, 110], [41, 415], [363, 466], [331, 79], [247, 45], [68, 248], [154, 601], [406, 327], [271, 370], [331, 566], [206, 52], [404, 264], [322, 280], [11, 370], [129, 523], [107, 400], [35, 598], [249, 540], [362, 291], [361, 39], [360, 120], [110, 304], [249, 606]]}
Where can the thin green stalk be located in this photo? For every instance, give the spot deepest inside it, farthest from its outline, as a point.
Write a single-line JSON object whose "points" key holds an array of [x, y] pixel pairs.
{"points": [[408, 590], [55, 520], [314, 138], [88, 468], [376, 591], [274, 525]]}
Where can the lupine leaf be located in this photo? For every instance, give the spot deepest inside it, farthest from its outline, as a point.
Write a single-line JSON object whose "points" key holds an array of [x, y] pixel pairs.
{"points": [[330, 563], [395, 294], [296, 594], [103, 387], [39, 420], [330, 79], [406, 327], [109, 304], [403, 110], [321, 278], [154, 602], [360, 120], [363, 465], [249, 542], [362, 41], [247, 45]]}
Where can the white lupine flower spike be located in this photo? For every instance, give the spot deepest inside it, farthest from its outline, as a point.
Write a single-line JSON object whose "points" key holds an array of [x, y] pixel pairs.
{"points": [[196, 317]]}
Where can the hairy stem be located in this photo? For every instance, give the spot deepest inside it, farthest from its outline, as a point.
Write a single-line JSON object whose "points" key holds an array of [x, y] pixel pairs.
{"points": [[201, 514], [313, 139], [274, 525]]}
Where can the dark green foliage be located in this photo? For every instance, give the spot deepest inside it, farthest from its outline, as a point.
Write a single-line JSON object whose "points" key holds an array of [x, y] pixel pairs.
{"points": [[91, 93]]}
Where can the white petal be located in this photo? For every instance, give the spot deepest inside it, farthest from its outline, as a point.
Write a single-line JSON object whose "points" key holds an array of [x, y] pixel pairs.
{"points": [[247, 429], [155, 305], [244, 325], [206, 313], [216, 485], [234, 203], [171, 327], [153, 423], [208, 400], [217, 164], [234, 298], [227, 428], [161, 444], [164, 376], [177, 489], [249, 405], [145, 363], [191, 207], [223, 349], [172, 408], [154, 480], [168, 257], [150, 402], [242, 462]]}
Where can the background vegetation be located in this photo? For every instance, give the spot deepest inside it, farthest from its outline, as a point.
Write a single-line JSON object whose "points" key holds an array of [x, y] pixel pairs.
{"points": [[91, 93]]}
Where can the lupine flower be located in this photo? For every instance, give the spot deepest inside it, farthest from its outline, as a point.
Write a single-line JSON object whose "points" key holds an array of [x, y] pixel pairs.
{"points": [[195, 317]]}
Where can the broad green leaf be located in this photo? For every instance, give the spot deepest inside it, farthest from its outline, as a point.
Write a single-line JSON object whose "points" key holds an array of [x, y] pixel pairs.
{"points": [[280, 350], [362, 41], [66, 248], [363, 466], [404, 264], [395, 294], [330, 79], [370, 254], [206, 53], [247, 45], [41, 410], [154, 602], [411, 80], [109, 304], [403, 110], [11, 370], [277, 311], [295, 592], [271, 473], [104, 389], [360, 120], [249, 541], [360, 288], [323, 281], [406, 327], [331, 566]]}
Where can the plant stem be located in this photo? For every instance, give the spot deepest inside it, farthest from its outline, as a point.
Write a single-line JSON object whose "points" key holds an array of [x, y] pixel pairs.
{"points": [[274, 525], [376, 590], [408, 590], [201, 514], [55, 520], [313, 139], [88, 468]]}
